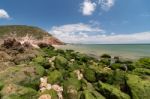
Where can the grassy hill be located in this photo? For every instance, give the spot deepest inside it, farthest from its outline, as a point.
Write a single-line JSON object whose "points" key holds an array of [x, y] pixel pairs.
{"points": [[22, 30]]}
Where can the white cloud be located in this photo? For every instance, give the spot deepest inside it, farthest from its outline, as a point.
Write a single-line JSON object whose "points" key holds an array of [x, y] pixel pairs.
{"points": [[88, 7], [4, 14], [106, 4], [84, 33]]}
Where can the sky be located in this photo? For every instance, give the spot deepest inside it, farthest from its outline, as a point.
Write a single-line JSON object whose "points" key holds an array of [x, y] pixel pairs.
{"points": [[83, 21]]}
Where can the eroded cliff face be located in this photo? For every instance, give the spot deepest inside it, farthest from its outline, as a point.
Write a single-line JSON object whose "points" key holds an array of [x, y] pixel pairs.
{"points": [[27, 33]]}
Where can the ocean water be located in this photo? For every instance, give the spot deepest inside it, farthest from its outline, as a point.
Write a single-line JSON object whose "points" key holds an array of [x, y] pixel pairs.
{"points": [[131, 51]]}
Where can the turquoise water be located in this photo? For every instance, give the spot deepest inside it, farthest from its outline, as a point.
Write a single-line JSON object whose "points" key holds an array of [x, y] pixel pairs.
{"points": [[131, 51]]}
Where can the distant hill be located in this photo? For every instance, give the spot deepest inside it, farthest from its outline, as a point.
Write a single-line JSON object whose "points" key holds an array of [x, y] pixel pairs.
{"points": [[23, 30]]}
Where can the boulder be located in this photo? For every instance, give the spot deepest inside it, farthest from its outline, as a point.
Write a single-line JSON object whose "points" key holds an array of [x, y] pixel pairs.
{"points": [[90, 75], [13, 91], [51, 92], [111, 92], [139, 88], [60, 62], [54, 76], [71, 88], [25, 75]]}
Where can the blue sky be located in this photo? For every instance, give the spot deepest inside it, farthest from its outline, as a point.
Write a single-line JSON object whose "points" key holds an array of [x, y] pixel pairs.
{"points": [[83, 21]]}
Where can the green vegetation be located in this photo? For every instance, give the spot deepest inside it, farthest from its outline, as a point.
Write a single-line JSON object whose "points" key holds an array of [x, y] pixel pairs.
{"points": [[81, 76], [22, 30]]}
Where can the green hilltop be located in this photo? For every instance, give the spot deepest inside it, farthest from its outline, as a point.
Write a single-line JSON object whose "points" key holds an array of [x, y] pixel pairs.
{"points": [[22, 30]]}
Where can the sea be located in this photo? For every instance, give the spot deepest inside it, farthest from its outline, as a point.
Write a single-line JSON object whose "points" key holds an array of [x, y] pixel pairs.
{"points": [[129, 51]]}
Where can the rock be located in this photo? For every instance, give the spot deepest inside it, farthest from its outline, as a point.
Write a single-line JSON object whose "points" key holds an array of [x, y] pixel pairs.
{"points": [[71, 87], [60, 62], [142, 71], [45, 96], [10, 91], [51, 92], [139, 88], [4, 56], [43, 45], [143, 63], [8, 43], [90, 95], [27, 45], [105, 56], [111, 92], [90, 75], [115, 66], [24, 58], [78, 74], [5, 65], [42, 61], [54, 76], [25, 75]]}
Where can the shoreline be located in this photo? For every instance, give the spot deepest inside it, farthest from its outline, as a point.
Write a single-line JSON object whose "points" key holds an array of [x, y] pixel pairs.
{"points": [[89, 52]]}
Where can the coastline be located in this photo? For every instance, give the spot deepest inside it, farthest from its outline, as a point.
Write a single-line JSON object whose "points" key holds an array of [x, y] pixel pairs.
{"points": [[96, 50]]}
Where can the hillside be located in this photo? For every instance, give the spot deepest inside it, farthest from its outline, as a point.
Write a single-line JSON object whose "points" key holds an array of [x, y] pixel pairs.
{"points": [[19, 31]]}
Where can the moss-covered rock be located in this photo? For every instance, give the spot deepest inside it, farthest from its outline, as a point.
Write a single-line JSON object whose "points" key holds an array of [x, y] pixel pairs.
{"points": [[91, 95], [139, 88], [143, 63], [90, 75], [105, 61], [42, 61], [104, 74], [111, 92], [115, 66], [87, 95], [51, 92], [12, 91], [1, 85], [22, 75], [142, 71], [71, 87], [60, 62], [23, 58], [105, 56], [54, 76]]}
